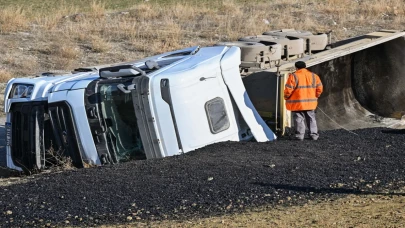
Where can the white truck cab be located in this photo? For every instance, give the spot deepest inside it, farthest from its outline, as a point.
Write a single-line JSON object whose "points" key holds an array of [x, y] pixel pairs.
{"points": [[160, 106]]}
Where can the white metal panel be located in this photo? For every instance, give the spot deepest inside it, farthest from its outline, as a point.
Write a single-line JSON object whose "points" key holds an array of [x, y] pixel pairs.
{"points": [[193, 83], [177, 54], [200, 62], [57, 96], [163, 120], [158, 115], [83, 83], [64, 86], [75, 98], [232, 78], [7, 92], [79, 81]]}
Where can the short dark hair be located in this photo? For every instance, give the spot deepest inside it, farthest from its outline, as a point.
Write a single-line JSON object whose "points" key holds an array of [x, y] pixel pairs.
{"points": [[300, 65]]}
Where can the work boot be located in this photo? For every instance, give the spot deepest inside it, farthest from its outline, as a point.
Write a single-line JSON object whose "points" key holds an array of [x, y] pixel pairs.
{"points": [[293, 137], [314, 136]]}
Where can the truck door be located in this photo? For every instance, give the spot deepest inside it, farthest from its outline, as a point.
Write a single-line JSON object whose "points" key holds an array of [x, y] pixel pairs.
{"points": [[201, 107]]}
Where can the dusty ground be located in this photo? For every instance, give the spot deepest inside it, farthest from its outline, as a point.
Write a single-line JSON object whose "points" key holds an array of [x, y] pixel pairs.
{"points": [[217, 180]]}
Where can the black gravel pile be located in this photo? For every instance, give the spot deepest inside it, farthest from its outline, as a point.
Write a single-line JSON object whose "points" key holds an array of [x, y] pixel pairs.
{"points": [[221, 178]]}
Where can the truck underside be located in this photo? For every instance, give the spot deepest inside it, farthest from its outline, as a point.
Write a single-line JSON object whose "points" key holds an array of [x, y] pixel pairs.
{"points": [[362, 79]]}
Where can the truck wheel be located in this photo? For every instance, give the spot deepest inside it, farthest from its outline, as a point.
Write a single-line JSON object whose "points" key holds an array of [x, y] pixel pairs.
{"points": [[256, 52]]}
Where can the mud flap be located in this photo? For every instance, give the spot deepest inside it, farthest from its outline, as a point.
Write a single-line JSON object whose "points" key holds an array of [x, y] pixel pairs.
{"points": [[230, 73]]}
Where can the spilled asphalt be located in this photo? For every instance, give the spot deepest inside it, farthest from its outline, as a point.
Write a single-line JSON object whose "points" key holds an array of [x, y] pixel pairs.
{"points": [[221, 178]]}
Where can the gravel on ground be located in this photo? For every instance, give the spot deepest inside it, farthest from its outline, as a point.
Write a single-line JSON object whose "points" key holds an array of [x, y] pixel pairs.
{"points": [[218, 179]]}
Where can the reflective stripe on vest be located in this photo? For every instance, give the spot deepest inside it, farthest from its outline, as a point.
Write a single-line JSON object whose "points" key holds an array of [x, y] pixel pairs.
{"points": [[296, 80], [303, 100], [304, 87]]}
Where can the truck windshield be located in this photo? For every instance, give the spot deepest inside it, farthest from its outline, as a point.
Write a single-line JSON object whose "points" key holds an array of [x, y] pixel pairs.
{"points": [[113, 122], [119, 115]]}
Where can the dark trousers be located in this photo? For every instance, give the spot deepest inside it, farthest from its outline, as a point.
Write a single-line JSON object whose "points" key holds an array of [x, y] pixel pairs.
{"points": [[302, 120]]}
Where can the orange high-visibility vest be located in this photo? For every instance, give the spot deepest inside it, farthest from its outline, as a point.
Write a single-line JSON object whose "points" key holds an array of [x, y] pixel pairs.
{"points": [[302, 90]]}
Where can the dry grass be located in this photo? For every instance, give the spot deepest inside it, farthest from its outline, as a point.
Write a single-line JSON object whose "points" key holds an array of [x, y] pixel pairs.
{"points": [[12, 19], [5, 76], [19, 66], [68, 51], [99, 45], [351, 211], [149, 28], [98, 9], [26, 65], [57, 160], [90, 33]]}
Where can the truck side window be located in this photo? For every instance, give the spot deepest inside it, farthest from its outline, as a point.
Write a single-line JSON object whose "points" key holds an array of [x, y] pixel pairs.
{"points": [[216, 114]]}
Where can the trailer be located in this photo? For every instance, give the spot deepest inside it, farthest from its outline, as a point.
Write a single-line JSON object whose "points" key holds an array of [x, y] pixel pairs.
{"points": [[362, 79]]}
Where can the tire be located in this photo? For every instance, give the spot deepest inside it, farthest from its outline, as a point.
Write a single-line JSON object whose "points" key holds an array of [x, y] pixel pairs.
{"points": [[251, 51], [295, 45]]}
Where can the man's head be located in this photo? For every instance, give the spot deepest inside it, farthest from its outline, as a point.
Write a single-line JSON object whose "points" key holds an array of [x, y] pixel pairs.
{"points": [[300, 65]]}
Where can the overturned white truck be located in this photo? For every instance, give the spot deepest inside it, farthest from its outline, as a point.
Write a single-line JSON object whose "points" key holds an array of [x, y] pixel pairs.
{"points": [[161, 106], [179, 101]]}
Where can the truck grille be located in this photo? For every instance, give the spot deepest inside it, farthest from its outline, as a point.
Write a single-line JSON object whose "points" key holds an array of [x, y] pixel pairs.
{"points": [[65, 143], [27, 146], [42, 136]]}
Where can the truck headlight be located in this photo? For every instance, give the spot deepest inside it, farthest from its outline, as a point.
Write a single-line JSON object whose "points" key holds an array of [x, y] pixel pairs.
{"points": [[21, 91]]}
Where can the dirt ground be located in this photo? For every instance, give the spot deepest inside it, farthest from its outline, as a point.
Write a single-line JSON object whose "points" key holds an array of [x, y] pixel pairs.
{"points": [[350, 211]]}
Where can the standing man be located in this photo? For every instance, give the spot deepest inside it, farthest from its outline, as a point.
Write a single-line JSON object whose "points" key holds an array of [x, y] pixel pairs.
{"points": [[301, 94]]}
